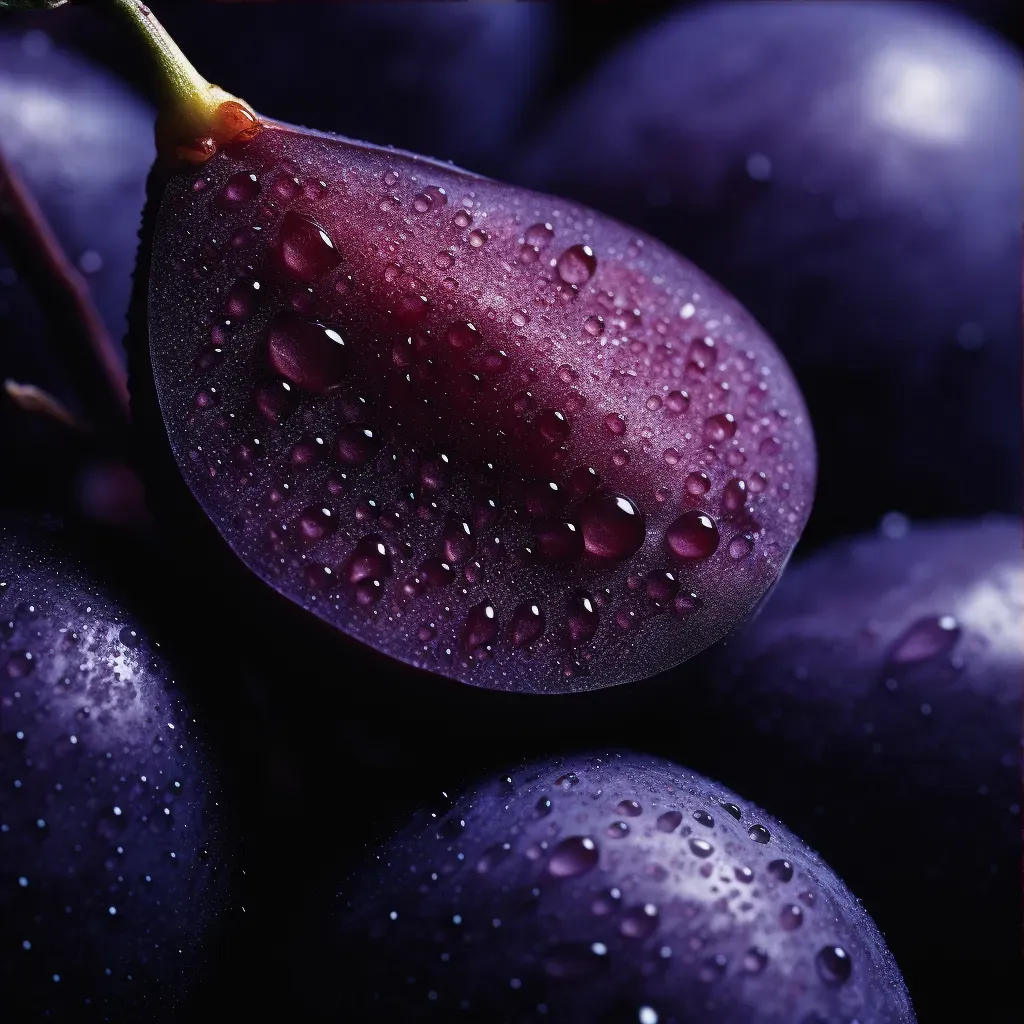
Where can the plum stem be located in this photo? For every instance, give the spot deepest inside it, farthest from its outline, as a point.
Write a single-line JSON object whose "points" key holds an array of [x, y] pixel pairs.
{"points": [[78, 330], [196, 117], [37, 402]]}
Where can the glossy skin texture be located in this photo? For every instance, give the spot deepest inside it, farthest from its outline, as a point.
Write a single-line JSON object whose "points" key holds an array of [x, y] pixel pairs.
{"points": [[852, 173], [482, 430], [112, 862], [599, 888], [877, 702]]}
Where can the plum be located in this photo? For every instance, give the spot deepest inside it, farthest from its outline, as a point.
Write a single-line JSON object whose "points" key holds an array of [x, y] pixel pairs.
{"points": [[851, 172], [114, 856], [876, 702], [606, 888]]}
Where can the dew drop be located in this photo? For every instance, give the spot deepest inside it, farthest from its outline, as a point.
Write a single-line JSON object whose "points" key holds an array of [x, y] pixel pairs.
{"points": [[629, 808], [693, 537], [755, 960], [927, 638], [615, 424], [740, 546], [606, 903], [697, 484], [704, 819], [559, 540], [492, 857], [276, 400], [577, 264], [308, 354], [701, 848], [494, 361], [573, 857], [478, 238], [567, 781], [781, 870], [669, 821], [639, 922], [304, 248], [661, 587], [575, 961], [613, 527], [744, 875], [617, 830], [240, 188], [241, 297], [732, 809], [720, 427], [538, 235], [677, 401], [552, 425], [734, 495], [527, 624], [759, 834], [315, 524], [356, 444], [791, 917], [542, 808], [435, 572], [834, 965], [462, 219], [480, 628], [583, 619], [369, 561], [594, 326]]}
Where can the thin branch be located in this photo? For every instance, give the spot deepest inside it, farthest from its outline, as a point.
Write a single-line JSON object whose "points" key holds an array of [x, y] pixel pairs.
{"points": [[37, 402], [78, 331]]}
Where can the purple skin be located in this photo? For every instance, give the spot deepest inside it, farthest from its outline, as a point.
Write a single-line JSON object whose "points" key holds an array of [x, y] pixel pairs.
{"points": [[876, 701], [112, 862], [851, 171], [607, 888]]}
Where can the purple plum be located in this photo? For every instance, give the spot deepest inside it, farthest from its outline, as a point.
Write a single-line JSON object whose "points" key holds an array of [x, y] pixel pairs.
{"points": [[607, 888]]}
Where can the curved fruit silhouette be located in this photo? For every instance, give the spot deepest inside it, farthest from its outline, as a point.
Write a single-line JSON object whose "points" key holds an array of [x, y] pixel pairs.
{"points": [[606, 888], [852, 173], [112, 865], [876, 701], [484, 431]]}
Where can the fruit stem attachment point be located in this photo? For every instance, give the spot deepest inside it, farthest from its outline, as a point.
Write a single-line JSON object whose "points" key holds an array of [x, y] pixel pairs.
{"points": [[196, 118], [78, 330]]}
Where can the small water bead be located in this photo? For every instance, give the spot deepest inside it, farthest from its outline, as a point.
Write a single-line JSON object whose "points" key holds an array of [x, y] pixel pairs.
{"points": [[552, 425], [240, 300], [577, 264], [639, 922], [613, 527], [574, 961], [617, 830], [734, 495], [661, 587], [740, 546], [573, 857], [477, 238], [583, 481], [692, 537], [677, 402], [719, 427], [390, 178], [629, 808], [305, 249], [356, 444], [701, 848], [582, 620], [431, 196], [615, 424], [620, 458], [731, 808], [538, 235], [494, 361], [369, 561], [713, 968], [770, 446], [481, 627], [436, 573], [457, 540], [669, 821], [781, 870], [791, 917], [492, 857], [755, 960], [19, 665], [671, 456], [686, 604], [927, 638], [757, 483], [463, 336], [759, 834], [559, 540], [240, 188], [462, 219], [703, 818], [703, 355], [316, 523], [276, 400], [744, 875], [306, 353], [567, 781], [607, 903], [697, 484], [834, 965], [594, 326]]}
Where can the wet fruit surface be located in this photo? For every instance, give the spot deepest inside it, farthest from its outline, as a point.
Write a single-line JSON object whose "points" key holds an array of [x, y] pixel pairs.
{"points": [[608, 888], [112, 865], [902, 655], [419, 404]]}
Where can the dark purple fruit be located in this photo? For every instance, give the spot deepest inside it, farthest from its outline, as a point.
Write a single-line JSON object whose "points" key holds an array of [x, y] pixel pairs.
{"points": [[112, 857], [876, 701], [607, 888], [852, 173]]}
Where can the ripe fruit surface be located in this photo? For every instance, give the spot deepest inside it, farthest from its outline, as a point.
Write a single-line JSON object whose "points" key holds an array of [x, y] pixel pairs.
{"points": [[605, 888], [851, 172], [112, 864], [877, 701], [487, 432]]}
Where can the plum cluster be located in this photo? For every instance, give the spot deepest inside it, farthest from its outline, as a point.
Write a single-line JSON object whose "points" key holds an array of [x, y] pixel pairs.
{"points": [[350, 672]]}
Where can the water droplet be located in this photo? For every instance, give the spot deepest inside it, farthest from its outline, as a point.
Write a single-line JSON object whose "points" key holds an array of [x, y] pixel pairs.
{"points": [[740, 546], [477, 238], [304, 248], [19, 665], [701, 848], [697, 484], [594, 326], [720, 427], [308, 354], [538, 235], [369, 561], [462, 219], [693, 536], [559, 540], [661, 587], [356, 444], [713, 968], [613, 527], [315, 524], [573, 857], [926, 639], [677, 401], [704, 819], [703, 355], [436, 572], [492, 857], [481, 627], [552, 425], [732, 809], [669, 821], [583, 619], [527, 624], [567, 781], [542, 808], [781, 870], [276, 400], [494, 361], [615, 424], [606, 903], [241, 298], [240, 188], [759, 834], [629, 808], [834, 965], [734, 495], [431, 196], [755, 960], [457, 540], [577, 264], [574, 961], [744, 875], [791, 917], [639, 922], [617, 830]]}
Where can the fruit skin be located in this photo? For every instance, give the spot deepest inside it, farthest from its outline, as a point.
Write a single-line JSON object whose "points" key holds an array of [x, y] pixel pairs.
{"points": [[107, 800], [904, 773], [448, 923], [882, 253], [532, 317]]}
